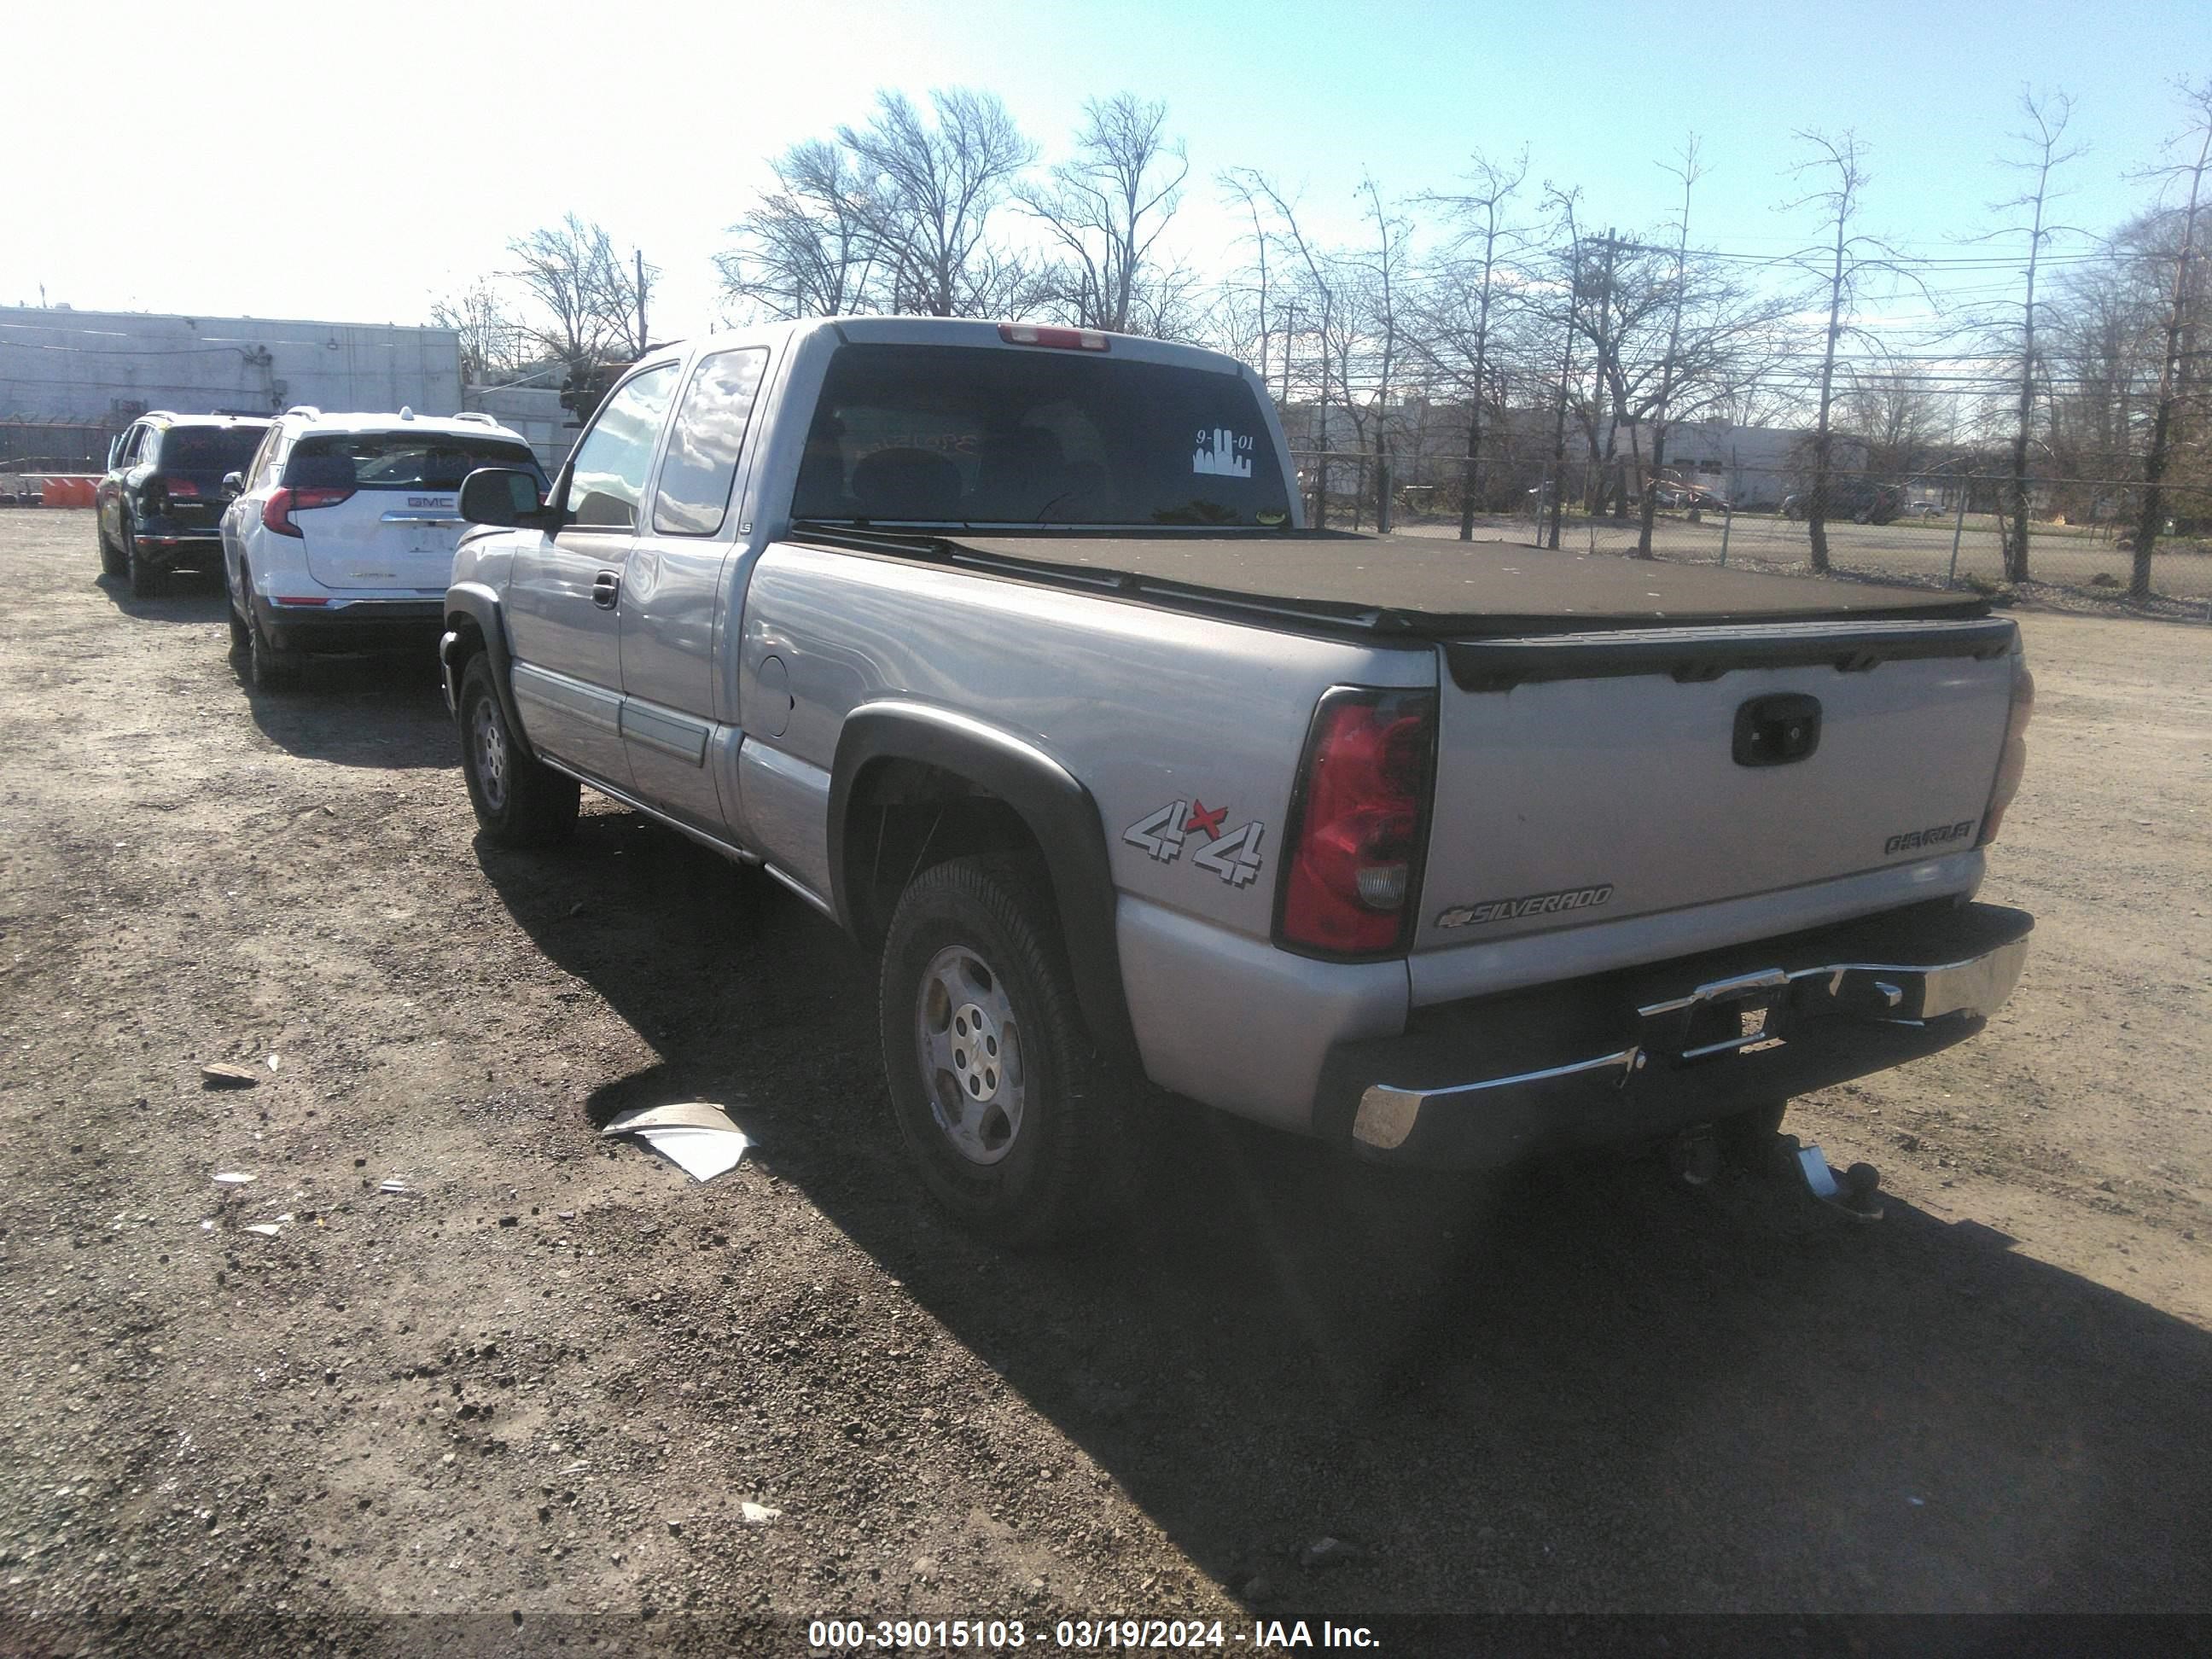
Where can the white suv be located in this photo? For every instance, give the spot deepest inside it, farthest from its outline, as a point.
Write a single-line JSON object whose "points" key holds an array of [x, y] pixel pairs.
{"points": [[340, 536]]}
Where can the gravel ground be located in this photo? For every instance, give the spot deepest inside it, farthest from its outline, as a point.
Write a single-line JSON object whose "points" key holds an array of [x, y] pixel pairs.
{"points": [[541, 1383]]}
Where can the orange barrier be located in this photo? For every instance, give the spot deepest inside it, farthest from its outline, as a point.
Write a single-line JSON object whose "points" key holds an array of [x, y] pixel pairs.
{"points": [[65, 488]]}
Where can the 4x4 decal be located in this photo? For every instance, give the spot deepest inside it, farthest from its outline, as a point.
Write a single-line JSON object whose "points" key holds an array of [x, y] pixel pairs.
{"points": [[1231, 855]]}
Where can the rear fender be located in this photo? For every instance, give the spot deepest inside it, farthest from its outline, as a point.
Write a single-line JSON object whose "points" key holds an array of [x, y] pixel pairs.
{"points": [[1058, 811]]}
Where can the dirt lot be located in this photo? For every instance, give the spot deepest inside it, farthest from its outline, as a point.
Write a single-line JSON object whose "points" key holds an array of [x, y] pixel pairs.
{"points": [[540, 1385]]}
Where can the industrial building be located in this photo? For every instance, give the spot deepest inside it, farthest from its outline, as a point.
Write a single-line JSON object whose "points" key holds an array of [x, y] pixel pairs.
{"points": [[69, 380]]}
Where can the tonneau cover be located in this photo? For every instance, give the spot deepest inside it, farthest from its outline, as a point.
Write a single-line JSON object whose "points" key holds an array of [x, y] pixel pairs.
{"points": [[1422, 585]]}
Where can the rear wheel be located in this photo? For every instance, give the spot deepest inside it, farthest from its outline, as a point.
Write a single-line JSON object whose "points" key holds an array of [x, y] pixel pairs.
{"points": [[241, 632], [145, 580], [270, 669], [1015, 1126], [112, 561], [519, 801]]}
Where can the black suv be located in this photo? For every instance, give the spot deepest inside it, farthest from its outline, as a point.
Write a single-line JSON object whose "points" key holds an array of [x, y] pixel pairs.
{"points": [[160, 505]]}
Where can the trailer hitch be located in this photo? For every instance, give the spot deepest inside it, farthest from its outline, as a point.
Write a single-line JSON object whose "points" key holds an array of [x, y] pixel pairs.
{"points": [[1855, 1192], [1694, 1157]]}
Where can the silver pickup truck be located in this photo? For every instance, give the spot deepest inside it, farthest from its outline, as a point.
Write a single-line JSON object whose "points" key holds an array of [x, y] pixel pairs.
{"points": [[1005, 648]]}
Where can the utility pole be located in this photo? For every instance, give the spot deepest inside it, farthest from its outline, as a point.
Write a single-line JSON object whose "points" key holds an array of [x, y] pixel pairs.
{"points": [[644, 340]]}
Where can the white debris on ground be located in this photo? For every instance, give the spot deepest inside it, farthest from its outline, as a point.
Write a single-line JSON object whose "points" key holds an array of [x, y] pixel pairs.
{"points": [[698, 1138]]}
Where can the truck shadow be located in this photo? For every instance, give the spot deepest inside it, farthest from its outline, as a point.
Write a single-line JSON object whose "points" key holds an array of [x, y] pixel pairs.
{"points": [[1578, 1389], [385, 711]]}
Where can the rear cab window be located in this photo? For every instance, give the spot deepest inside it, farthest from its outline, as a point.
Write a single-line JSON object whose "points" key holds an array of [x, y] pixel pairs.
{"points": [[977, 435], [400, 460], [216, 449]]}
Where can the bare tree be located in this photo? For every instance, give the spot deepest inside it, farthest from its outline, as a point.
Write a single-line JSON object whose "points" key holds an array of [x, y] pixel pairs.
{"points": [[1895, 417], [1262, 316], [2173, 364], [493, 344], [626, 298], [1390, 233], [1480, 236], [808, 249], [1564, 203], [1840, 266], [1105, 209], [1688, 171], [1256, 186], [2044, 151], [1669, 326], [929, 191], [590, 304]]}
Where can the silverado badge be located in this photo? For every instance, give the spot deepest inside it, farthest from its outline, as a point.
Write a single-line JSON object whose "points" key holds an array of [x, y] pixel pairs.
{"points": [[1536, 904]]}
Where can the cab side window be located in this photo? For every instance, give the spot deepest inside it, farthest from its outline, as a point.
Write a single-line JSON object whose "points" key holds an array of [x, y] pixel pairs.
{"points": [[606, 475], [702, 465]]}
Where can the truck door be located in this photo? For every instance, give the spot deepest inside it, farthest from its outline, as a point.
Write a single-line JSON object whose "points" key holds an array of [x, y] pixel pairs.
{"points": [[565, 593], [672, 595]]}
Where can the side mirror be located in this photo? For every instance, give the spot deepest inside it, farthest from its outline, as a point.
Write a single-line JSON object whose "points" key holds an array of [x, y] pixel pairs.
{"points": [[501, 495], [234, 483]]}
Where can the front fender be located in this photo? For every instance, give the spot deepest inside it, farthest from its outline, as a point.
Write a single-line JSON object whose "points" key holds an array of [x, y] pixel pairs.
{"points": [[1049, 800], [472, 606]]}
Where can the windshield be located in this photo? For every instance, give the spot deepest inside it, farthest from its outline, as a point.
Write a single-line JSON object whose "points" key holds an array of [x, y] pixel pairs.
{"points": [[209, 448], [977, 435], [401, 460]]}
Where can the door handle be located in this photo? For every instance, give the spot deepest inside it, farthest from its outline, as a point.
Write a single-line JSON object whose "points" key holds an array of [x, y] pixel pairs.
{"points": [[606, 589]]}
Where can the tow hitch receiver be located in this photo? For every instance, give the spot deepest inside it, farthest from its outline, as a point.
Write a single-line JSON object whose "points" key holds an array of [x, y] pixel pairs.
{"points": [[1855, 1192]]}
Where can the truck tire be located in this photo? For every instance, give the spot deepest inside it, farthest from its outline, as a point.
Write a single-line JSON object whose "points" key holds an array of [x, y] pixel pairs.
{"points": [[145, 580], [519, 801], [112, 561], [1017, 1128]]}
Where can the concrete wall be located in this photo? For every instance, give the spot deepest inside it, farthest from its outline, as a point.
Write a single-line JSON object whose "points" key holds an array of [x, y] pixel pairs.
{"points": [[95, 366]]}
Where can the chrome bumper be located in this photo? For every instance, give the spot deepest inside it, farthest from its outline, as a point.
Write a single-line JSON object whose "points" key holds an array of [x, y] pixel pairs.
{"points": [[1765, 1005]]}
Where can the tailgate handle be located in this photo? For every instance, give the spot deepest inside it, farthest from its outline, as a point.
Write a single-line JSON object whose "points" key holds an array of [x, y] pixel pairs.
{"points": [[1777, 730]]}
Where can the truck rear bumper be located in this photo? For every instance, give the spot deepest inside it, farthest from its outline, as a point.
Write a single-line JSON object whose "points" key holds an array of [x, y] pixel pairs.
{"points": [[1620, 1056]]}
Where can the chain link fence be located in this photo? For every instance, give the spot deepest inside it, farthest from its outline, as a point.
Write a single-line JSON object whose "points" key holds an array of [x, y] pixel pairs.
{"points": [[1944, 529], [1951, 531]]}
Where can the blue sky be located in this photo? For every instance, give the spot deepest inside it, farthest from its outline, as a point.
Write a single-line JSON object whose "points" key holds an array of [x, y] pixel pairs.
{"points": [[352, 162]]}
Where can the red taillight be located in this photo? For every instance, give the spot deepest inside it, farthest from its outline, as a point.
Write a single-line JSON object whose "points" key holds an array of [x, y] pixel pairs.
{"points": [[1356, 831], [2012, 761], [277, 512], [1062, 339], [181, 489]]}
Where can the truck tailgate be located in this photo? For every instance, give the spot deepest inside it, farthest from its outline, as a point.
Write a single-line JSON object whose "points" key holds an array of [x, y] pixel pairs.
{"points": [[1589, 777]]}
